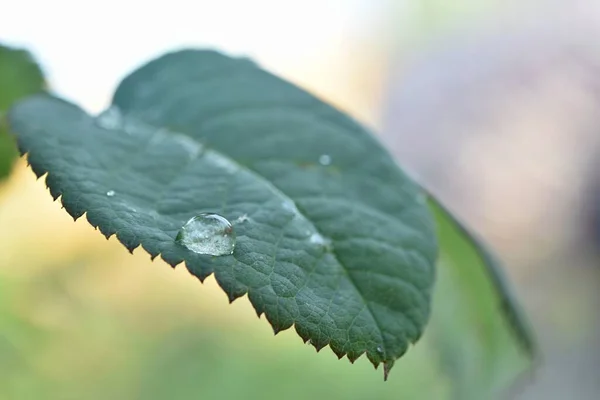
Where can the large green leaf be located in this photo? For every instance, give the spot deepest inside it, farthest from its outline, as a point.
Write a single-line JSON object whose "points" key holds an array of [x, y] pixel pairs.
{"points": [[20, 76], [332, 237], [483, 340]]}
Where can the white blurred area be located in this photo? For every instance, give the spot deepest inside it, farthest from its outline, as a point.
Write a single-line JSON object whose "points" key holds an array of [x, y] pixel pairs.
{"points": [[87, 47]]}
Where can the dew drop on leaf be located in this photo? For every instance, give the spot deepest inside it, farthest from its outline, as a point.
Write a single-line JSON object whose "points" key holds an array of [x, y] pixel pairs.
{"points": [[111, 118], [325, 159], [317, 239], [207, 233], [110, 193]]}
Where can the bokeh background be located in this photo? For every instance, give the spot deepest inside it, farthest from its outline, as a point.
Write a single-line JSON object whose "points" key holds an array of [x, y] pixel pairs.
{"points": [[493, 105]]}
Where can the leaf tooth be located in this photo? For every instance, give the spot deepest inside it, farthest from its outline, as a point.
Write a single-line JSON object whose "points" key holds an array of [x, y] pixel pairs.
{"points": [[304, 335], [319, 346], [232, 288], [354, 355], [22, 150], [36, 168], [72, 211], [279, 326], [171, 259], [387, 367], [106, 230], [200, 274], [232, 296], [53, 186], [153, 253], [256, 303], [375, 359], [318, 343], [129, 243], [337, 350]]}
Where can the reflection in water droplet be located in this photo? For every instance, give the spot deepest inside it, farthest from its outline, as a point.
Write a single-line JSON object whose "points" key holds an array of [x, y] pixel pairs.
{"points": [[208, 234], [110, 193], [325, 159], [317, 239], [111, 118], [289, 205], [242, 218]]}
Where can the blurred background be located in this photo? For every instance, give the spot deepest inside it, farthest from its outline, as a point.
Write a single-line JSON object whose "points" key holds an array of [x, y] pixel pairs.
{"points": [[493, 105]]}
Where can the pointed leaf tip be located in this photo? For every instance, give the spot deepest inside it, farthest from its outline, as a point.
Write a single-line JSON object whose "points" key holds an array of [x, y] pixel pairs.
{"points": [[387, 367]]}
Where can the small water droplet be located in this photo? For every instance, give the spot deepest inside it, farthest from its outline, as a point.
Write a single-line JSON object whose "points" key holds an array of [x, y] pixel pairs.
{"points": [[379, 349], [111, 118], [316, 238], [289, 206], [110, 193], [208, 233], [325, 159]]}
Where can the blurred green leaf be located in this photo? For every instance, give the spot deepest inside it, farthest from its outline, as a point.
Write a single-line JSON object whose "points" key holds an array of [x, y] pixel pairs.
{"points": [[483, 340], [20, 76], [99, 351], [332, 237]]}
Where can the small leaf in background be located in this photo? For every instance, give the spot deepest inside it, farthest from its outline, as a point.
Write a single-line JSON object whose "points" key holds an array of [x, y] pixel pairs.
{"points": [[477, 327], [330, 235], [20, 76]]}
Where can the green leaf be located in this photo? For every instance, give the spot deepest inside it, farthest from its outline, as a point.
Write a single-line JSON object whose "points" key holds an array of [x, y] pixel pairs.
{"points": [[332, 237], [483, 339], [20, 76]]}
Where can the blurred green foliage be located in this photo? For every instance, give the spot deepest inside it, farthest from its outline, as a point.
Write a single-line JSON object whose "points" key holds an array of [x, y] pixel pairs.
{"points": [[20, 76], [483, 341], [104, 354]]}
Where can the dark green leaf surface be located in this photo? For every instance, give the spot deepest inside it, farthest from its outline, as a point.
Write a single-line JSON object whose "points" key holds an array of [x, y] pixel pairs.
{"points": [[477, 327], [343, 250], [20, 76]]}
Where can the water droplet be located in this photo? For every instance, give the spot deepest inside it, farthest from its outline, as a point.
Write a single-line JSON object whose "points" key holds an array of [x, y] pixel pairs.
{"points": [[110, 193], [317, 239], [208, 234], [325, 159], [289, 205], [111, 118], [379, 349]]}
